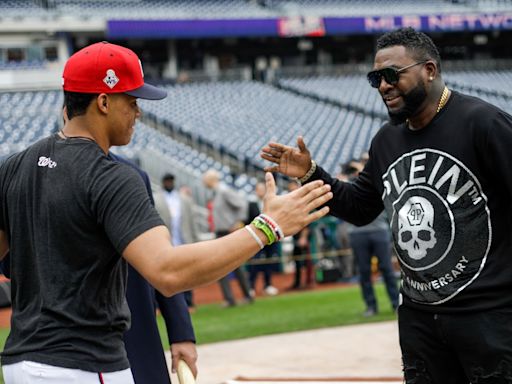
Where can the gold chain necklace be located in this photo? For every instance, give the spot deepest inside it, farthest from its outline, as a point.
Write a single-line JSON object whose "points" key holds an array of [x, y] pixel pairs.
{"points": [[443, 99], [440, 105]]}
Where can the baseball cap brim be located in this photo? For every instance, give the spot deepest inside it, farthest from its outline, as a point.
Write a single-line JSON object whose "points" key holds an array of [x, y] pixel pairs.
{"points": [[148, 92]]}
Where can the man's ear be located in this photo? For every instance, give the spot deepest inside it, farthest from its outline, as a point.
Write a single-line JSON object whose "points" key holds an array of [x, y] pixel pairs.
{"points": [[65, 117], [431, 69], [102, 102]]}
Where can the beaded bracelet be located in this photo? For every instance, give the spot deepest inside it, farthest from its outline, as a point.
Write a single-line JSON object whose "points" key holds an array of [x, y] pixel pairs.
{"points": [[263, 226], [308, 175], [255, 236], [275, 227]]}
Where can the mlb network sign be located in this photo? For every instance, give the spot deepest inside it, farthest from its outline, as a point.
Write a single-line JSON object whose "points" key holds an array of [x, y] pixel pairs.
{"points": [[305, 26], [446, 22]]}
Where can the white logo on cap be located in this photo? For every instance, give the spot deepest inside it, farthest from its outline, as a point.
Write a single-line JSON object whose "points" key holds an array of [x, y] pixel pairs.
{"points": [[141, 70], [111, 79]]}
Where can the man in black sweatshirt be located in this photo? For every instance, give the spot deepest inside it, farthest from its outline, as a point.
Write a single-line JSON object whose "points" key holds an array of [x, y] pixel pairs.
{"points": [[441, 169]]}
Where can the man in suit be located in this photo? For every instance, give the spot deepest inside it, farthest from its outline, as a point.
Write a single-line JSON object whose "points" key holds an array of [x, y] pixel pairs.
{"points": [[142, 340], [177, 211]]}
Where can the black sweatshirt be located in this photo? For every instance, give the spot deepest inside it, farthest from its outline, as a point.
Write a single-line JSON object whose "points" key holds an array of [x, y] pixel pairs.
{"points": [[446, 189]]}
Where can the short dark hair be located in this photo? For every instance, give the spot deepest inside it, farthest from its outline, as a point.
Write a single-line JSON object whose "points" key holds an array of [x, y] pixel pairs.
{"points": [[419, 44], [348, 168], [77, 103], [168, 176]]}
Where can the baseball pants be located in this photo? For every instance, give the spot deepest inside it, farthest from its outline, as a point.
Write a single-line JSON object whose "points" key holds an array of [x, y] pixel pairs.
{"points": [[27, 372]]}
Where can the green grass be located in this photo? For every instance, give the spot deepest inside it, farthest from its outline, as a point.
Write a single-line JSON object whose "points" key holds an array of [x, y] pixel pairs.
{"points": [[279, 314], [284, 313], [4, 332]]}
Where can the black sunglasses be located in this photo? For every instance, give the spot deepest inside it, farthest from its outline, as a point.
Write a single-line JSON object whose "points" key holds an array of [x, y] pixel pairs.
{"points": [[390, 74]]}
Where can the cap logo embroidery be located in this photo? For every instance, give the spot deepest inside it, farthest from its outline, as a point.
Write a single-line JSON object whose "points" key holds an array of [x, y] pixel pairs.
{"points": [[141, 70], [111, 79]]}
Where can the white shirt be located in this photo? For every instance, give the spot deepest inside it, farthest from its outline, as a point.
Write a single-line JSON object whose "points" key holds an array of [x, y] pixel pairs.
{"points": [[173, 201]]}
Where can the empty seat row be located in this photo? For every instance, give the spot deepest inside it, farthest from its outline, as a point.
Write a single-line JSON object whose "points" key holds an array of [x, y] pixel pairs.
{"points": [[242, 117], [178, 9], [354, 91]]}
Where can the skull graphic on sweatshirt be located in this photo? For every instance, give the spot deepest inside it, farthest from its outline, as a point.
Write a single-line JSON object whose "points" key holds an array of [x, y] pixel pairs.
{"points": [[416, 234]]}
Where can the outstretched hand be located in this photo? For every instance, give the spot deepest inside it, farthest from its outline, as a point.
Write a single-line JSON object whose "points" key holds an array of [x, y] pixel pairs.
{"points": [[295, 210], [293, 162]]}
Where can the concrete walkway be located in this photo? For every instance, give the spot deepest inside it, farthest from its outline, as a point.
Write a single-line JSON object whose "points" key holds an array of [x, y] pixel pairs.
{"points": [[358, 351]]}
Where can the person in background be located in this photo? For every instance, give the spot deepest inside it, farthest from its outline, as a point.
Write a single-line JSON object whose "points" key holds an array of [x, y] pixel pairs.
{"points": [[177, 210], [142, 341], [301, 253], [229, 210], [348, 262], [265, 260], [367, 241]]}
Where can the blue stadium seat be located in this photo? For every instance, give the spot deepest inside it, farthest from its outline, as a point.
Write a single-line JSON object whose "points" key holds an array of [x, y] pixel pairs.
{"points": [[244, 116], [239, 118]]}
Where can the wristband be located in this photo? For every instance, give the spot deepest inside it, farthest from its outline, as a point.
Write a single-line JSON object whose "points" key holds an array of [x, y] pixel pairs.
{"points": [[255, 236], [266, 225], [278, 232], [308, 175], [266, 229]]}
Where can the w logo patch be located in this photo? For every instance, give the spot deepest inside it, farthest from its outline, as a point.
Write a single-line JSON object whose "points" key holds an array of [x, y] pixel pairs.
{"points": [[111, 79], [46, 162]]}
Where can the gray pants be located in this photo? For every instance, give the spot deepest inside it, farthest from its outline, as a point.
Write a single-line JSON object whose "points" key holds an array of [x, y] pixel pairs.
{"points": [[226, 287], [240, 276]]}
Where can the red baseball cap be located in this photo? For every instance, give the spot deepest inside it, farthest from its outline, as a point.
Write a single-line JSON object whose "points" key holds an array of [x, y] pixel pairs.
{"points": [[108, 68]]}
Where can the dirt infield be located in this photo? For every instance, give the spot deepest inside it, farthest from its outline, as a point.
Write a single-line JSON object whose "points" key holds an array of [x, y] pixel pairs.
{"points": [[212, 293], [359, 352]]}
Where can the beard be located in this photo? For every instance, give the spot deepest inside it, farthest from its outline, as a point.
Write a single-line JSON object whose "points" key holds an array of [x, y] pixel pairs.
{"points": [[412, 101]]}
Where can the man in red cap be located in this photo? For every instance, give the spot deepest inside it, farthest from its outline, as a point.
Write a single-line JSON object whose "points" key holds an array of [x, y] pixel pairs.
{"points": [[70, 217]]}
